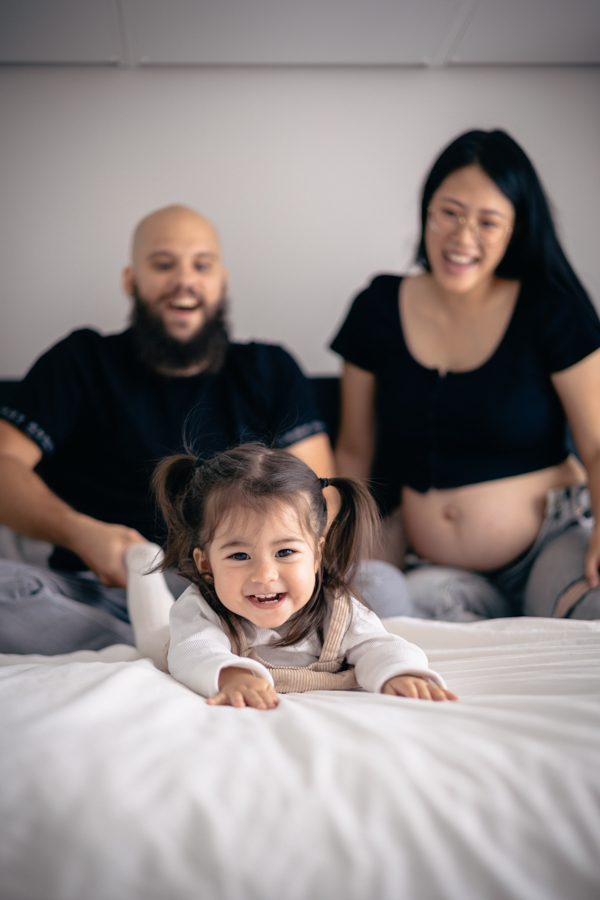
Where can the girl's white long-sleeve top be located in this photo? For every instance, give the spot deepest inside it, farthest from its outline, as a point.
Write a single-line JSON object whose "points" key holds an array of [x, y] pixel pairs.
{"points": [[200, 648]]}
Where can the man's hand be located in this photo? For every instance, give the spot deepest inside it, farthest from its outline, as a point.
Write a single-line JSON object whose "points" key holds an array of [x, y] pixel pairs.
{"points": [[29, 507], [417, 688], [102, 547], [240, 687]]}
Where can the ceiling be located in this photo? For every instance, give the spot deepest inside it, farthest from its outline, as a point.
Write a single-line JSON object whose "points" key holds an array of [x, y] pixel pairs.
{"points": [[300, 32]]}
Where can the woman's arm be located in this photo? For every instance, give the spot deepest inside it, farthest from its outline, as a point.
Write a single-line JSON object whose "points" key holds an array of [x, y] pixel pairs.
{"points": [[579, 390], [355, 446]]}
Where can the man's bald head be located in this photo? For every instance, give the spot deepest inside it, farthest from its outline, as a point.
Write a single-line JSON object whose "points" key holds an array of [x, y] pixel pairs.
{"points": [[173, 222]]}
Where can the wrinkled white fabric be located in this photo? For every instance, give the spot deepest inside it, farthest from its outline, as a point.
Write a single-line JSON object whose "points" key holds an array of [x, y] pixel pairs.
{"points": [[118, 783]]}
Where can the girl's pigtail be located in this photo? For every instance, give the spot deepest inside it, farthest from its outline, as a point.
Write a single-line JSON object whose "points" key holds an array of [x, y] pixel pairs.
{"points": [[181, 485], [171, 483], [351, 536]]}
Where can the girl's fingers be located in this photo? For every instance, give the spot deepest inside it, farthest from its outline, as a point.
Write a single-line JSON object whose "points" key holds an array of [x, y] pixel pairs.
{"points": [[438, 693], [416, 689], [254, 699], [267, 699], [404, 687], [424, 689], [236, 698], [450, 695], [227, 698], [219, 699], [257, 699], [400, 687]]}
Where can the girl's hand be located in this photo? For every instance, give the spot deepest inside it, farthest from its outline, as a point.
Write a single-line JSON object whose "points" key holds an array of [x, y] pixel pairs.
{"points": [[417, 688], [240, 687]]}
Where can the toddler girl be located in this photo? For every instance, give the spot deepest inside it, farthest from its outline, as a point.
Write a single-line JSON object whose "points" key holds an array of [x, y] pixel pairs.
{"points": [[270, 609]]}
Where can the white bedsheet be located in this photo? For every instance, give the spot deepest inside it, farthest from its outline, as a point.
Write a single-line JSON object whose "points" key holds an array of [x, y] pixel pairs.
{"points": [[117, 783]]}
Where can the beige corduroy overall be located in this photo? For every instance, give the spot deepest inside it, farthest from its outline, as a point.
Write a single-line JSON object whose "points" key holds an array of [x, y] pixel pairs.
{"points": [[324, 675]]}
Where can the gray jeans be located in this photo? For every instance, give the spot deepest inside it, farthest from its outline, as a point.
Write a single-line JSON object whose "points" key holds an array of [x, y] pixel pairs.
{"points": [[547, 580], [48, 612]]}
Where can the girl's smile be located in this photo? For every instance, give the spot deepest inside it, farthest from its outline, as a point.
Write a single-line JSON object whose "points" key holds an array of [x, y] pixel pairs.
{"points": [[263, 570]]}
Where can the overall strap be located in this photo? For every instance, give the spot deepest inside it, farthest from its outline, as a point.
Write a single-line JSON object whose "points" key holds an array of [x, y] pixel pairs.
{"points": [[328, 673], [337, 629]]}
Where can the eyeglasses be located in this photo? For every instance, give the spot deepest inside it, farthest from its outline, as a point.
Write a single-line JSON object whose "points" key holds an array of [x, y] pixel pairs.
{"points": [[486, 230]]}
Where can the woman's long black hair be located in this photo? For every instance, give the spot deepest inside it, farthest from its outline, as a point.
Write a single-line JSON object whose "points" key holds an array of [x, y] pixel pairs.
{"points": [[534, 252]]}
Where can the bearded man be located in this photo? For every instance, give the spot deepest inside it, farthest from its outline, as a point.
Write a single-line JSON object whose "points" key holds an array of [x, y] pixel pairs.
{"points": [[89, 422]]}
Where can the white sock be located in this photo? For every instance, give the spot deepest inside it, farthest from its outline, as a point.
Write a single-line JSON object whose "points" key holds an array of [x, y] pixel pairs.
{"points": [[149, 601]]}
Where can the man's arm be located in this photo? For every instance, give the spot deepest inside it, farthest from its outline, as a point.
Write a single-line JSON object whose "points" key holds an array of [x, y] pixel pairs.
{"points": [[316, 452], [29, 507]]}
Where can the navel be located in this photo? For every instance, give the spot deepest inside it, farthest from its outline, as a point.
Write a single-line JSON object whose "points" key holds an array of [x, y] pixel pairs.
{"points": [[451, 513]]}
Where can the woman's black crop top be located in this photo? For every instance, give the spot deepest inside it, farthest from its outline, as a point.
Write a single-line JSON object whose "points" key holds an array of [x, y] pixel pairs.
{"points": [[501, 419]]}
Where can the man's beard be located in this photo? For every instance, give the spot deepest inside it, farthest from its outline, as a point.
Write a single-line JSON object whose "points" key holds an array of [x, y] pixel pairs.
{"points": [[160, 351]]}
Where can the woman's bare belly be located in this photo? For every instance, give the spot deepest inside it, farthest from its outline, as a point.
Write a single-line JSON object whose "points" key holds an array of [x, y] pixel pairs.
{"points": [[483, 526]]}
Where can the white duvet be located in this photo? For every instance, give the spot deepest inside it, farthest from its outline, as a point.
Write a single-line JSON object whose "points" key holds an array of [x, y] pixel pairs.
{"points": [[118, 783]]}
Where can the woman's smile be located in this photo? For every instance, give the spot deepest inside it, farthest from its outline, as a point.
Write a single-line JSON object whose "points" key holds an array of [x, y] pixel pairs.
{"points": [[458, 262], [458, 247]]}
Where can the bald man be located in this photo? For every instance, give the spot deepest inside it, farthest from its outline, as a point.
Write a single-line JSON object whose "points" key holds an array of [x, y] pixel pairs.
{"points": [[95, 413]]}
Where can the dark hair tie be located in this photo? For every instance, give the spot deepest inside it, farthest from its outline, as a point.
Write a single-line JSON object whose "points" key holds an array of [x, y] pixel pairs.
{"points": [[325, 482]]}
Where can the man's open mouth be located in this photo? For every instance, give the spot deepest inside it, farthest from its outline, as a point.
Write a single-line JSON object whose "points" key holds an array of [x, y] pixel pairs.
{"points": [[184, 303]]}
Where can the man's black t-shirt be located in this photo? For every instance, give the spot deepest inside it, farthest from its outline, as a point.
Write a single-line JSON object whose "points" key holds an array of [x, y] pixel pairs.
{"points": [[103, 421]]}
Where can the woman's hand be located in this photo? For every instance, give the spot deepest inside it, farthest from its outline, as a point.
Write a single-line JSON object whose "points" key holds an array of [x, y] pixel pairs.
{"points": [[240, 687], [592, 559], [579, 390], [417, 688]]}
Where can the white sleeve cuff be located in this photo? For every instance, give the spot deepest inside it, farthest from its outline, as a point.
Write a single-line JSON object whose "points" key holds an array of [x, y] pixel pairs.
{"points": [[426, 674], [240, 662]]}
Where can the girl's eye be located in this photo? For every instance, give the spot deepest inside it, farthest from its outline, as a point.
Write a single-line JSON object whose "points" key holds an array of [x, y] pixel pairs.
{"points": [[489, 225], [239, 556], [282, 554], [450, 214]]}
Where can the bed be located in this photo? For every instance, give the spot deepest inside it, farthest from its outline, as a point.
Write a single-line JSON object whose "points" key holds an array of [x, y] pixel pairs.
{"points": [[118, 783]]}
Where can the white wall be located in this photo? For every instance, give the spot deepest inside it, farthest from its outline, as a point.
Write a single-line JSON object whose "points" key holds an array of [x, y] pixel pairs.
{"points": [[312, 176]]}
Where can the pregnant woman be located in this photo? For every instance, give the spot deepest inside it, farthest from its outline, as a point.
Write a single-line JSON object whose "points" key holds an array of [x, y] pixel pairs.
{"points": [[458, 386]]}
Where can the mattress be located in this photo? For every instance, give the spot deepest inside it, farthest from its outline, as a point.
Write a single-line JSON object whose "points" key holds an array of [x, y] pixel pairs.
{"points": [[118, 783]]}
